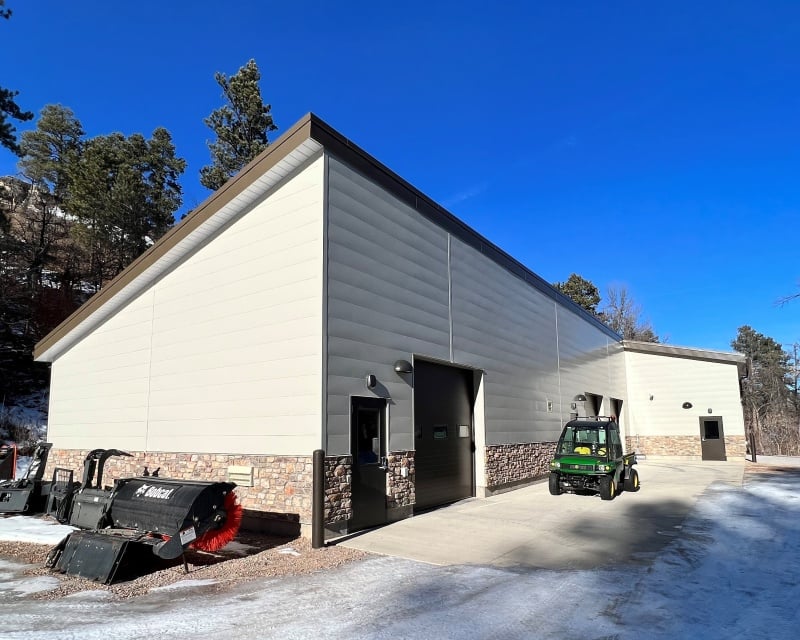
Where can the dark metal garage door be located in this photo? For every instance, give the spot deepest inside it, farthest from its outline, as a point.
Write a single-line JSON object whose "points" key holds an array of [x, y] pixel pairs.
{"points": [[443, 401]]}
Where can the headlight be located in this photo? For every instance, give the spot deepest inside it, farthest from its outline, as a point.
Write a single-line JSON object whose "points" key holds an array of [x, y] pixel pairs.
{"points": [[604, 467], [555, 465]]}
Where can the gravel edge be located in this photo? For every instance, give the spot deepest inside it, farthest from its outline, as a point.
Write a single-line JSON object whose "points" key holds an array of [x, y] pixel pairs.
{"points": [[255, 556]]}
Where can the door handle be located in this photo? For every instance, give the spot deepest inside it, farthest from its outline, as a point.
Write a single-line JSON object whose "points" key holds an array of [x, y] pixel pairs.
{"points": [[384, 464]]}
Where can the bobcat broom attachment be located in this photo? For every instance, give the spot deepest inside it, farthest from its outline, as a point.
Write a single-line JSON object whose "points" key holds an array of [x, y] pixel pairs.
{"points": [[140, 521], [28, 493]]}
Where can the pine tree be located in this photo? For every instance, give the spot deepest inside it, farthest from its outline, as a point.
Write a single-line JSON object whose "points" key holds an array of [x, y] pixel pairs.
{"points": [[581, 291], [124, 192], [241, 126], [770, 411], [49, 150]]}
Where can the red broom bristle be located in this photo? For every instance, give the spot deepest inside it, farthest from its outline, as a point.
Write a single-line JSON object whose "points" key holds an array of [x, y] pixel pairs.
{"points": [[215, 539]]}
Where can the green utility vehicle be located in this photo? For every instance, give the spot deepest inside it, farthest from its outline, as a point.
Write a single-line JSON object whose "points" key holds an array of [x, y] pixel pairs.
{"points": [[589, 459]]}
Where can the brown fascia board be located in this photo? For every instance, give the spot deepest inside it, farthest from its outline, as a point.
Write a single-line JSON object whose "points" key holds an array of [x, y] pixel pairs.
{"points": [[364, 163], [278, 150], [310, 126]]}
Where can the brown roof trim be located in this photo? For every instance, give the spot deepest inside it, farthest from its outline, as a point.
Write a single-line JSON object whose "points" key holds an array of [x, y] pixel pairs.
{"points": [[273, 154], [312, 127], [366, 164]]}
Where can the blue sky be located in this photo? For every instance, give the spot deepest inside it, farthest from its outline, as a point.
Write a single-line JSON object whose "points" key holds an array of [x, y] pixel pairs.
{"points": [[655, 147]]}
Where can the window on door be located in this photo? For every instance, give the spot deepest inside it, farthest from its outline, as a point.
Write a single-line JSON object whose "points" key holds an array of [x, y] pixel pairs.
{"points": [[368, 443]]}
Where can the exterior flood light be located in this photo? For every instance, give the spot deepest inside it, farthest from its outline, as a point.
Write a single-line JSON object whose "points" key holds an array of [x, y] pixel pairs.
{"points": [[371, 381], [403, 366], [580, 398], [687, 405]]}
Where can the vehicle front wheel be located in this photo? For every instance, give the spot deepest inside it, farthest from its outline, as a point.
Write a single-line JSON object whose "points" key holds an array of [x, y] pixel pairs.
{"points": [[555, 485], [608, 488], [632, 480]]}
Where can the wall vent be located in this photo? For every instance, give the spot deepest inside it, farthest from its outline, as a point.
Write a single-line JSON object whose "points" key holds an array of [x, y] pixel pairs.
{"points": [[242, 476]]}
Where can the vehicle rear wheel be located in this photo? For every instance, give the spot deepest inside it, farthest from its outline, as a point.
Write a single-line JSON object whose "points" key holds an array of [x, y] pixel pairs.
{"points": [[632, 480], [608, 488], [555, 486]]}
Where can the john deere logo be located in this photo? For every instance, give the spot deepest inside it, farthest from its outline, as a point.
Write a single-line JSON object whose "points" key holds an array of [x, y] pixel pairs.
{"points": [[149, 491]]}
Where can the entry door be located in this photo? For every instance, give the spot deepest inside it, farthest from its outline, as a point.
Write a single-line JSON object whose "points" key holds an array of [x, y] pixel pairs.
{"points": [[444, 442], [368, 448], [712, 438]]}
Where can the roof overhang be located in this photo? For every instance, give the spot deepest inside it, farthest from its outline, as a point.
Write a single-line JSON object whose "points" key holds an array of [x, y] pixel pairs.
{"points": [[291, 151]]}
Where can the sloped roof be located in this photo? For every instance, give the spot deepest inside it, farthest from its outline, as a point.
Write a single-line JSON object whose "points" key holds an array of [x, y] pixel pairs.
{"points": [[290, 151]]}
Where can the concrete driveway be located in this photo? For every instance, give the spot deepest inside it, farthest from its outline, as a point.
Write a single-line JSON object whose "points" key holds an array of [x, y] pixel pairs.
{"points": [[530, 528]]}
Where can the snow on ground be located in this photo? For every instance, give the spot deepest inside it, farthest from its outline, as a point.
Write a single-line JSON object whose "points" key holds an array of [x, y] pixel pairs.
{"points": [[31, 529], [732, 573], [14, 584]]}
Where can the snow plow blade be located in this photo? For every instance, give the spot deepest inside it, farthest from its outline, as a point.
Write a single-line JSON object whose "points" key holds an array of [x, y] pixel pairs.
{"points": [[102, 557]]}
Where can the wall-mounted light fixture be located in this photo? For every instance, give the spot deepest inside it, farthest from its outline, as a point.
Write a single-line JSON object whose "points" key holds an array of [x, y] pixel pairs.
{"points": [[580, 398], [687, 405], [371, 381], [403, 366], [651, 396], [710, 411]]}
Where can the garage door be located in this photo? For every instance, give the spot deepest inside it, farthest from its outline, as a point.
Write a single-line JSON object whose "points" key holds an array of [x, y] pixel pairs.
{"points": [[444, 457]]}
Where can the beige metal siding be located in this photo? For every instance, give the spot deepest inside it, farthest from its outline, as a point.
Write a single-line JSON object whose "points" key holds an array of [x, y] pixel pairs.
{"points": [[398, 285], [671, 381], [98, 390], [387, 298], [222, 355], [507, 328], [591, 362], [533, 350]]}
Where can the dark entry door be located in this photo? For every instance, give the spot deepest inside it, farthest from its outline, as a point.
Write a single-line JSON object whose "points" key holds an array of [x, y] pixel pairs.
{"points": [[368, 448], [444, 442], [712, 439]]}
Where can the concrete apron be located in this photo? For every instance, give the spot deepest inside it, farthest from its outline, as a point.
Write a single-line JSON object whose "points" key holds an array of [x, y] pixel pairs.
{"points": [[530, 528]]}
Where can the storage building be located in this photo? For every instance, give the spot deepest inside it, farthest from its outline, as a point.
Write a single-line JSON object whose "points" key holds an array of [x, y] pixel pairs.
{"points": [[319, 301]]}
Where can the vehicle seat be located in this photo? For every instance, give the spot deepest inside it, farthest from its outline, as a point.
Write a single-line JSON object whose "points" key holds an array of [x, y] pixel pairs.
{"points": [[582, 450]]}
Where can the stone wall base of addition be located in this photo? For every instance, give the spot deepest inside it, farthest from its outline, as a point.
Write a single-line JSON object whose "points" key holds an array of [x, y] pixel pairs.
{"points": [[688, 447]]}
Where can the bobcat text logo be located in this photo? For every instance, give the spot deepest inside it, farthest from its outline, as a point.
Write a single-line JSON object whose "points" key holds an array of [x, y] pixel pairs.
{"points": [[149, 491]]}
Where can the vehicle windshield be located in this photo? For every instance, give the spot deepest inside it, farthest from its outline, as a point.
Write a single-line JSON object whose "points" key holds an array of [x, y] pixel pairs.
{"points": [[584, 441]]}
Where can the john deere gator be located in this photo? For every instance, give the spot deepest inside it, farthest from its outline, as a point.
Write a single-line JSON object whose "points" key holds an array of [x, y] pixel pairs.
{"points": [[589, 459]]}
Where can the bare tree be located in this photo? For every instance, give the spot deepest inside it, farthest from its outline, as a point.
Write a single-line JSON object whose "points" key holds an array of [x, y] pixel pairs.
{"points": [[623, 315]]}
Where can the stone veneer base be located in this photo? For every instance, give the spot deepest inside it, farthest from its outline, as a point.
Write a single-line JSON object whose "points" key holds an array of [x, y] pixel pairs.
{"points": [[687, 447], [509, 466], [279, 500]]}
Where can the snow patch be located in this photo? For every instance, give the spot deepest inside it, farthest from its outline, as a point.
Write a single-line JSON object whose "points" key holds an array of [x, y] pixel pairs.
{"points": [[184, 584], [30, 529]]}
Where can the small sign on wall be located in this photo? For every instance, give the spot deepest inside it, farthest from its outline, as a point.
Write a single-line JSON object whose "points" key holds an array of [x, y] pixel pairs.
{"points": [[463, 431]]}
